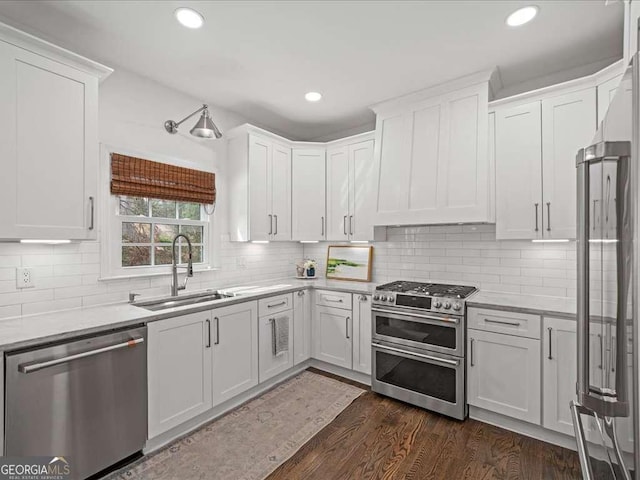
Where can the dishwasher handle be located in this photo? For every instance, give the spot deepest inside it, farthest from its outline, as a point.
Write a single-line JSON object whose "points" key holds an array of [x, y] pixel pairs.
{"points": [[34, 367]]}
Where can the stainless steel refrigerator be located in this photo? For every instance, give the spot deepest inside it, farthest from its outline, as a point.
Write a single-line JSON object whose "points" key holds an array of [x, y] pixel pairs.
{"points": [[605, 410]]}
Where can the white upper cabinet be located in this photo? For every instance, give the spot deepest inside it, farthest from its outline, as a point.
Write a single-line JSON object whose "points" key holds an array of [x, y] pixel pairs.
{"points": [[260, 186], [49, 176], [308, 186], [631, 17], [349, 179], [431, 157], [536, 145]]}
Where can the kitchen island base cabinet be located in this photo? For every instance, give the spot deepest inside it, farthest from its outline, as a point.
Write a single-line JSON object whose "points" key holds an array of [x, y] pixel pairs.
{"points": [[332, 332], [271, 364], [179, 370], [503, 374], [235, 350]]}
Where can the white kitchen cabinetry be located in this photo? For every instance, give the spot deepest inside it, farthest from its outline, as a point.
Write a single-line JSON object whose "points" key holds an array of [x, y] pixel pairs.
{"points": [[431, 156], [536, 146], [301, 326], [235, 350], [333, 329], [631, 17], [503, 374], [309, 218], [270, 363], [48, 185], [179, 368], [362, 333], [350, 179], [607, 88], [260, 186]]}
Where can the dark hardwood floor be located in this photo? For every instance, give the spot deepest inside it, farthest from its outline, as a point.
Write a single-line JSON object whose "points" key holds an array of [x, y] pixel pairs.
{"points": [[380, 438]]}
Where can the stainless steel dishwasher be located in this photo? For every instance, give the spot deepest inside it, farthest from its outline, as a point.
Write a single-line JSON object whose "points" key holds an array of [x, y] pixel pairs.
{"points": [[85, 400]]}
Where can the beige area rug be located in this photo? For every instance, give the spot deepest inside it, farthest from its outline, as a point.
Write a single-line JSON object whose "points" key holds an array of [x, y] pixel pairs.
{"points": [[252, 441]]}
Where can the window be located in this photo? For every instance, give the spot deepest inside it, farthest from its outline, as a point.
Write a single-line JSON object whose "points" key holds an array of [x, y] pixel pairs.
{"points": [[148, 226]]}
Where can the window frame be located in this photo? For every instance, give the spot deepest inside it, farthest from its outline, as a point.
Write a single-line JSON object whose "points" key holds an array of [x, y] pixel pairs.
{"points": [[111, 225]]}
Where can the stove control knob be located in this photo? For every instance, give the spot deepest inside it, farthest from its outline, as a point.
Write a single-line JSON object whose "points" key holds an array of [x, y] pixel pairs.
{"points": [[447, 305], [376, 297], [437, 303], [457, 306], [383, 298], [390, 299]]}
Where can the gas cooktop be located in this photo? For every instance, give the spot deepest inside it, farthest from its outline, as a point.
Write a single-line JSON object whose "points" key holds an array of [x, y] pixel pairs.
{"points": [[428, 289], [432, 297]]}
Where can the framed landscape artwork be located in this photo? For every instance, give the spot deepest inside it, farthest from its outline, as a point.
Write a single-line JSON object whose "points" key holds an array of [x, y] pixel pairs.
{"points": [[349, 263]]}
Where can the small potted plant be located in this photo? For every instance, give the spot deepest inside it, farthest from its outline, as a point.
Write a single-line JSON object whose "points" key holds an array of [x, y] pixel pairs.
{"points": [[310, 266]]}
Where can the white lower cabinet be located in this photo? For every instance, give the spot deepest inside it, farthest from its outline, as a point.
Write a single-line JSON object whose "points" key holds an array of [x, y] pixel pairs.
{"points": [[504, 374], [301, 326], [362, 334], [179, 370], [270, 363], [559, 373], [332, 336], [235, 350]]}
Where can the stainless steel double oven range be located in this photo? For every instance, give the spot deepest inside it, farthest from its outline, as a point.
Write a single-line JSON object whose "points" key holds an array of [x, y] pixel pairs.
{"points": [[418, 345]]}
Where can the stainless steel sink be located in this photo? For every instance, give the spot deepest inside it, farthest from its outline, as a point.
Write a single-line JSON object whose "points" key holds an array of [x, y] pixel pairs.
{"points": [[181, 301]]}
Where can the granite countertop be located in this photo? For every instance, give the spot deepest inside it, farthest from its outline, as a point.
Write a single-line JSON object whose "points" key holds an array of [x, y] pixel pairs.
{"points": [[535, 304], [32, 330]]}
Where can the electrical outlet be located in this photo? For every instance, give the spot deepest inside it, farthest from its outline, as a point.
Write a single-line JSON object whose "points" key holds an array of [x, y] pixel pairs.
{"points": [[24, 278]]}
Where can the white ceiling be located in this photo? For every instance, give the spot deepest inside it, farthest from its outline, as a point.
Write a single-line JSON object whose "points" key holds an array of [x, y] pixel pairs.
{"points": [[258, 58]]}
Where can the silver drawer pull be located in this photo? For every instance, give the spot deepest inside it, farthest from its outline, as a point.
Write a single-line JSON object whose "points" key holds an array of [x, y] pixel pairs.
{"points": [[34, 367], [419, 355], [502, 322], [273, 305], [334, 299]]}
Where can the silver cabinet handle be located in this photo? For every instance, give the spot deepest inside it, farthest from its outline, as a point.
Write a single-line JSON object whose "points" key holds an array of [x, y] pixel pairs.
{"points": [[350, 224], [322, 224], [217, 342], [536, 207], [613, 355], [417, 355], [34, 367], [333, 300], [275, 217], [270, 224], [208, 323], [347, 326], [600, 342], [92, 204], [502, 322], [550, 357], [301, 293], [344, 224], [548, 216], [471, 352], [273, 305]]}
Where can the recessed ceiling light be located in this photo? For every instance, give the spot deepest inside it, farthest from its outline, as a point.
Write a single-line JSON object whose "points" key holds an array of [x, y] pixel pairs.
{"points": [[312, 96], [189, 17], [522, 16]]}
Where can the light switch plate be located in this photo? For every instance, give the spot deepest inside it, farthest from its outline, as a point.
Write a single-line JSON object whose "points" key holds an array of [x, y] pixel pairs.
{"points": [[24, 278]]}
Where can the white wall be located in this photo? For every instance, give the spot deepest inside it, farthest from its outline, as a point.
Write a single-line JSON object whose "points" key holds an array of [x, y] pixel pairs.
{"points": [[132, 113]]}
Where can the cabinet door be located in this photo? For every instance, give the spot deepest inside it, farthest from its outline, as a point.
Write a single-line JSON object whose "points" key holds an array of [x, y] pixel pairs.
{"points": [[560, 373], [309, 217], [361, 180], [362, 334], [338, 194], [504, 374], [393, 169], [301, 326], [281, 192], [270, 363], [179, 370], [518, 153], [235, 350], [49, 176], [606, 92], [260, 216], [332, 332], [568, 124]]}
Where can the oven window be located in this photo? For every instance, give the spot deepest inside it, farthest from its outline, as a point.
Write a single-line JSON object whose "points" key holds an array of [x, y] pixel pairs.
{"points": [[429, 379], [415, 331]]}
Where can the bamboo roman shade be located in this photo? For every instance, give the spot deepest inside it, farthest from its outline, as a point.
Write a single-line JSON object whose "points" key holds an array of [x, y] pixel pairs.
{"points": [[144, 178]]}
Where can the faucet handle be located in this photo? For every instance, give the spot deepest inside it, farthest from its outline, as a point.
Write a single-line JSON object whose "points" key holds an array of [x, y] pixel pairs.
{"points": [[132, 296]]}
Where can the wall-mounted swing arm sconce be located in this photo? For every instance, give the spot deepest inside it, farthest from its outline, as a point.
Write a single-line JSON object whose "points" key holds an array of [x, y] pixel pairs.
{"points": [[204, 127]]}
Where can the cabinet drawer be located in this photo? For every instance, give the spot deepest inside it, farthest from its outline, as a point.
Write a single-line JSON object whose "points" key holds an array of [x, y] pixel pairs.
{"points": [[277, 304], [333, 299], [498, 321]]}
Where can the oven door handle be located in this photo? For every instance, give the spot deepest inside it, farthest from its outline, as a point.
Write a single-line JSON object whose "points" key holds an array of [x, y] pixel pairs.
{"points": [[417, 315], [454, 363]]}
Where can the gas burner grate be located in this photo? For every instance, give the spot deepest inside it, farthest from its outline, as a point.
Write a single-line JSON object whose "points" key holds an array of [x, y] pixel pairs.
{"points": [[429, 289]]}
